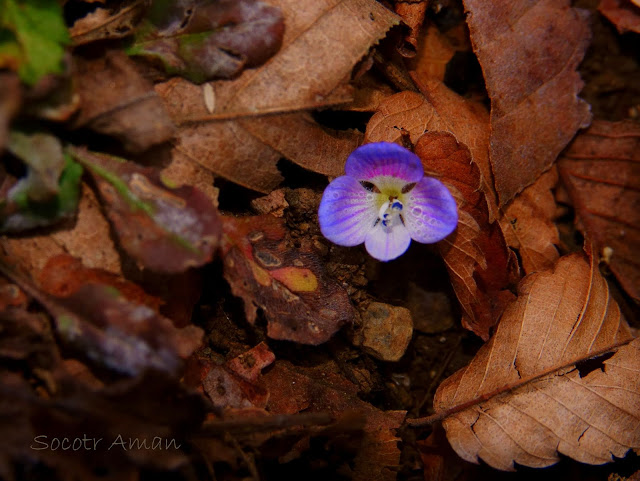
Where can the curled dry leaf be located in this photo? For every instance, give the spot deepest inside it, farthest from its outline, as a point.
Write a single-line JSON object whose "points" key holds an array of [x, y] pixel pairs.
{"points": [[164, 229], [295, 389], [530, 393], [117, 101], [601, 171], [624, 14], [322, 43], [480, 265], [434, 53], [300, 301], [529, 52], [103, 23], [203, 40], [527, 224], [412, 14]]}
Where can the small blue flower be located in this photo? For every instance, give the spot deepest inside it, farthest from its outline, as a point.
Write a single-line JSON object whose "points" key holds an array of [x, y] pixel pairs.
{"points": [[384, 200]]}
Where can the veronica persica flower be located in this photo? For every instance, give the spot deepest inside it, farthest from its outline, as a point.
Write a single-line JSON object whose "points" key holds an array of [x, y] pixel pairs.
{"points": [[384, 200]]}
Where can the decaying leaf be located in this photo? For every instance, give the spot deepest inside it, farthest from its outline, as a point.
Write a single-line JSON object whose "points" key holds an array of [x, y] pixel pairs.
{"points": [[412, 14], [480, 265], [164, 229], [624, 14], [529, 52], [98, 323], [534, 391], [294, 389], [527, 224], [50, 190], [10, 101], [103, 23], [433, 55], [300, 301], [601, 171], [237, 140], [203, 40], [117, 101]]}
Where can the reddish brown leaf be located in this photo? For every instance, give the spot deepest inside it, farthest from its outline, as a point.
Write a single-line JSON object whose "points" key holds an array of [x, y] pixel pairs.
{"points": [[295, 389], [63, 275], [528, 395], [601, 171], [624, 14], [480, 265], [300, 301], [412, 14], [117, 101], [434, 53], [164, 229], [527, 224], [529, 52]]}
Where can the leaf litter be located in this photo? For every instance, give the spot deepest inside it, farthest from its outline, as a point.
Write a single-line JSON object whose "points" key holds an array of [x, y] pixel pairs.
{"points": [[162, 308]]}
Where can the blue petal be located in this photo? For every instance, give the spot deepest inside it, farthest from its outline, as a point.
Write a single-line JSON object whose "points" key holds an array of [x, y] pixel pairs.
{"points": [[430, 212], [386, 160], [385, 243], [347, 212]]}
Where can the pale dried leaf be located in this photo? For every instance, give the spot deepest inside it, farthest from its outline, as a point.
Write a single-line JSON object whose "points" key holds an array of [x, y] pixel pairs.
{"points": [[522, 399], [529, 51], [624, 14], [527, 223], [601, 171], [102, 24]]}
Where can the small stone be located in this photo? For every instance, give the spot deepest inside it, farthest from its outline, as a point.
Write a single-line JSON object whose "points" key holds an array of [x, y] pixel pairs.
{"points": [[386, 331]]}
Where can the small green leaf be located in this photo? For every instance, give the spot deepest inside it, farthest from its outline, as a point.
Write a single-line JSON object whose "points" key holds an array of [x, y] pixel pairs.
{"points": [[32, 38]]}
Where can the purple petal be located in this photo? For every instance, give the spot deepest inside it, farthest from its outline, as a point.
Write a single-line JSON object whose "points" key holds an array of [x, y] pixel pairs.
{"points": [[347, 212], [384, 159], [430, 212], [386, 244]]}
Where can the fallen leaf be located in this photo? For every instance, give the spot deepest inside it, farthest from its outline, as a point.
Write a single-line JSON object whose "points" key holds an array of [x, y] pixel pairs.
{"points": [[529, 52], [48, 192], [33, 36], [433, 55], [601, 171], [624, 14], [117, 101], [211, 39], [63, 275], [164, 229], [412, 14], [527, 224], [480, 265], [530, 393], [237, 141], [99, 324], [295, 389], [300, 301], [103, 23], [10, 102]]}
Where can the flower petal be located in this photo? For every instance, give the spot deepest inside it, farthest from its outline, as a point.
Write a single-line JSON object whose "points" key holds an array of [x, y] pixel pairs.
{"points": [[430, 212], [347, 212], [384, 159], [386, 244]]}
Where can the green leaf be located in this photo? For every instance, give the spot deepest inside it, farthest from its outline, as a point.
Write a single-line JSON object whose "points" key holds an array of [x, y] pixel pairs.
{"points": [[32, 38]]}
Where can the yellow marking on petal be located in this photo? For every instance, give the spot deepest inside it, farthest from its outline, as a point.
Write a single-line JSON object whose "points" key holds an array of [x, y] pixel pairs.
{"points": [[297, 279]]}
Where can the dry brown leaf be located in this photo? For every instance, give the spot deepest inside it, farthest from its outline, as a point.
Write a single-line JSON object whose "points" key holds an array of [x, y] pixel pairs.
{"points": [[527, 224], [480, 265], [434, 53], [601, 171], [117, 101], [224, 134], [529, 52], [412, 14], [624, 14], [523, 399]]}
